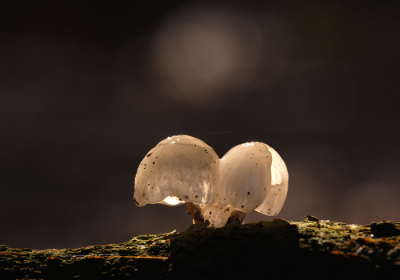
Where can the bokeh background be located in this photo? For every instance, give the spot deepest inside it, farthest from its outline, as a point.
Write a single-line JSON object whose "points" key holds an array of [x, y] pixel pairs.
{"points": [[86, 89]]}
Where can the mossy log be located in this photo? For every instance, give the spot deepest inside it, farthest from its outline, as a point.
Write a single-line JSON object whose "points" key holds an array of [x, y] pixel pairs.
{"points": [[316, 249]]}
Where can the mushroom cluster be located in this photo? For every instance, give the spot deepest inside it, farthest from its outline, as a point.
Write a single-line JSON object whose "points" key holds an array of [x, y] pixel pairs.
{"points": [[183, 169]]}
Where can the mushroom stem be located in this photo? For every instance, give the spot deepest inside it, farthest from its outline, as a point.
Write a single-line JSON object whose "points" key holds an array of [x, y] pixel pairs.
{"points": [[236, 217], [195, 211]]}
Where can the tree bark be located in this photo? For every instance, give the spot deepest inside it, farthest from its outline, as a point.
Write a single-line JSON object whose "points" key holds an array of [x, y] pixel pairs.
{"points": [[316, 249]]}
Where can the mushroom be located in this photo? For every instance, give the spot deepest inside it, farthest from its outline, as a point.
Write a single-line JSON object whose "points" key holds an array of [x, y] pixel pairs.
{"points": [[251, 176], [278, 189], [179, 169]]}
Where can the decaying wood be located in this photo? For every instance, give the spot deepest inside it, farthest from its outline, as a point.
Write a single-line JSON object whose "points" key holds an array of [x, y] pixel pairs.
{"points": [[313, 248]]}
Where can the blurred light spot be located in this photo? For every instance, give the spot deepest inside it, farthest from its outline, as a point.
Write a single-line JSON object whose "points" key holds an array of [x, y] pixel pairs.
{"points": [[199, 52]]}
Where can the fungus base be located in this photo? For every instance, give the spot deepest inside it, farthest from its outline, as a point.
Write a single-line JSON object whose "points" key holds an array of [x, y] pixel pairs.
{"points": [[236, 217]]}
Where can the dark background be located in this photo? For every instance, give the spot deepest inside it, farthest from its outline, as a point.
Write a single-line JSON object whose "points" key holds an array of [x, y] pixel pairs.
{"points": [[86, 89]]}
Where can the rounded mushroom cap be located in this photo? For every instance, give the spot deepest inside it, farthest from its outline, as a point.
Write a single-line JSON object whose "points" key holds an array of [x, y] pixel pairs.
{"points": [[245, 176], [277, 192], [179, 169]]}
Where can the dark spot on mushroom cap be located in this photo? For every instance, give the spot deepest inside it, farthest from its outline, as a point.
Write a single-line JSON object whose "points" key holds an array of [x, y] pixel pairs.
{"points": [[248, 193], [196, 196], [149, 155], [153, 162], [185, 196], [210, 212], [242, 206]]}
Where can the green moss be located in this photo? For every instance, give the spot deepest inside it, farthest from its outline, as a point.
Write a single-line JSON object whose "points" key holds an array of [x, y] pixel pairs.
{"points": [[275, 248]]}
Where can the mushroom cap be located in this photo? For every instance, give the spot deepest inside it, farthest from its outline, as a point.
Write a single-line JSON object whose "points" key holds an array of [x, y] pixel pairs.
{"points": [[277, 192], [245, 176], [179, 169]]}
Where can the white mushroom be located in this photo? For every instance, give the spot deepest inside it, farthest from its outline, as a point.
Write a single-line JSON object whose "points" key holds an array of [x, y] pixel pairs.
{"points": [[277, 192], [245, 172], [178, 169], [251, 176]]}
